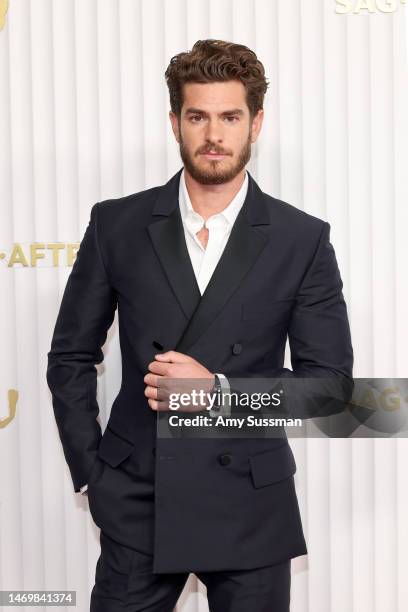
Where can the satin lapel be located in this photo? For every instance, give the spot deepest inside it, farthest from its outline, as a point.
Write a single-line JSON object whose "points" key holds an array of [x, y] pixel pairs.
{"points": [[240, 254], [167, 236]]}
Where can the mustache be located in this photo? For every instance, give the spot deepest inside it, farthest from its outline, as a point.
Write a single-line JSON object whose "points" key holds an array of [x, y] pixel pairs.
{"points": [[217, 150]]}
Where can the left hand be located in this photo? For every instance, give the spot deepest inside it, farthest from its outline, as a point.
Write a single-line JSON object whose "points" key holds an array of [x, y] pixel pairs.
{"points": [[175, 369]]}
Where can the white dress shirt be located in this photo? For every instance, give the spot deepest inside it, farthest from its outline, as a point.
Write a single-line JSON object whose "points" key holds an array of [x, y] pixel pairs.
{"points": [[205, 260]]}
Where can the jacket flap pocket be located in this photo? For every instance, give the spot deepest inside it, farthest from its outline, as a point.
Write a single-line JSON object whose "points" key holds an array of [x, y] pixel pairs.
{"points": [[113, 448], [272, 466]]}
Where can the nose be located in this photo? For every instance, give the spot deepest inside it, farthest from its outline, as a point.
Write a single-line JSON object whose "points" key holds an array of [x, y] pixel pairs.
{"points": [[214, 131]]}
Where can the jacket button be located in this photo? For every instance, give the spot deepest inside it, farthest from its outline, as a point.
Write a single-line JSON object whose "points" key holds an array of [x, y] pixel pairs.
{"points": [[157, 345], [154, 451], [224, 459], [237, 348]]}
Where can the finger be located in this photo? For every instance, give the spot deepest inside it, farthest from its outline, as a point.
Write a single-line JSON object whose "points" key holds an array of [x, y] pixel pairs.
{"points": [[152, 403], [161, 369], [174, 357], [151, 363], [157, 406], [151, 392], [152, 380]]}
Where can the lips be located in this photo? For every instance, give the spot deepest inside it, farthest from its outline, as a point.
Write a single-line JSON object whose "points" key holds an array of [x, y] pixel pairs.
{"points": [[214, 154]]}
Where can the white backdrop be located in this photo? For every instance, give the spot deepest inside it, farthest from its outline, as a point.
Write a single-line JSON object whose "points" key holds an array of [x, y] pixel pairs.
{"points": [[83, 117]]}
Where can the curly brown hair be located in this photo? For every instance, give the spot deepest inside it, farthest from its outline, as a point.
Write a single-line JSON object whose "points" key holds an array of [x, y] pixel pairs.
{"points": [[217, 60]]}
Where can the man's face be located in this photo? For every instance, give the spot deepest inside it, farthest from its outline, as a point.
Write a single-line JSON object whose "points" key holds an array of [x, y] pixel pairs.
{"points": [[215, 130]]}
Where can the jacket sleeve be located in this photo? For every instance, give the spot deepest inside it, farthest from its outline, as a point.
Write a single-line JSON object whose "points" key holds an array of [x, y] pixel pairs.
{"points": [[320, 339], [87, 311], [320, 342], [319, 332]]}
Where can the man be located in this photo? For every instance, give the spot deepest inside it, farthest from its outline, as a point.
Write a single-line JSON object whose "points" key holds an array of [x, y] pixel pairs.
{"points": [[210, 276]]}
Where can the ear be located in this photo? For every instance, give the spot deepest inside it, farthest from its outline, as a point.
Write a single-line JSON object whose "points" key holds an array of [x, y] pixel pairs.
{"points": [[175, 125], [257, 124]]}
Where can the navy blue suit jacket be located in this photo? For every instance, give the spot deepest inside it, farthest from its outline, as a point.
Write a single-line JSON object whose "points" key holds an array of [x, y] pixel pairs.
{"points": [[180, 499]]}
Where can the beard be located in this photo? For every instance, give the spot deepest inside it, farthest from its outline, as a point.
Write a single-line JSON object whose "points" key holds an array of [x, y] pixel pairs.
{"points": [[213, 172]]}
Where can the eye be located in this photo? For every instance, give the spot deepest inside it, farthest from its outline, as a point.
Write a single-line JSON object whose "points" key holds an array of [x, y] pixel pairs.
{"points": [[231, 118], [194, 117]]}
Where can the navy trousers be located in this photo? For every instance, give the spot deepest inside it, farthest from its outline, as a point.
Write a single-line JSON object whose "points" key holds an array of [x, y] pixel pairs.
{"points": [[124, 582]]}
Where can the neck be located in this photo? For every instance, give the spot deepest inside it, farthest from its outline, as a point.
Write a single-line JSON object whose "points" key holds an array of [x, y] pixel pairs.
{"points": [[209, 200]]}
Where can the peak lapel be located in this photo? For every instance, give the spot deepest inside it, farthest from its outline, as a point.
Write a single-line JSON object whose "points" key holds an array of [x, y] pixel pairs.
{"points": [[244, 246], [167, 236]]}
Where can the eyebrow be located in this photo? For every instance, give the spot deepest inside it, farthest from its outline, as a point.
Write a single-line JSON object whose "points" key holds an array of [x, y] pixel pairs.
{"points": [[198, 111]]}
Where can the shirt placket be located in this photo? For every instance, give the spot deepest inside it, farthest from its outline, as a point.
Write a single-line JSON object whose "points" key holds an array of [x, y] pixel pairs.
{"points": [[210, 254]]}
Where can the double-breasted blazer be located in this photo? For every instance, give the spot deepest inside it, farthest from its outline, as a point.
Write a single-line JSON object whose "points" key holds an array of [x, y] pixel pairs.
{"points": [[195, 504]]}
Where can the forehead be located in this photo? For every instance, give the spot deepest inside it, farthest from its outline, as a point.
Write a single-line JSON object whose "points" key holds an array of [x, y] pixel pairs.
{"points": [[216, 96]]}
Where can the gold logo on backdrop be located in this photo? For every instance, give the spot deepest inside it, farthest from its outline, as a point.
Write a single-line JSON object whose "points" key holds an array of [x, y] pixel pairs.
{"points": [[3, 13], [40, 254], [388, 399], [357, 7], [12, 407]]}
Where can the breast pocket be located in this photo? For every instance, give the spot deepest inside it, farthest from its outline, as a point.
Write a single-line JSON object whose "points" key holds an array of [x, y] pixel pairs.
{"points": [[270, 312]]}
